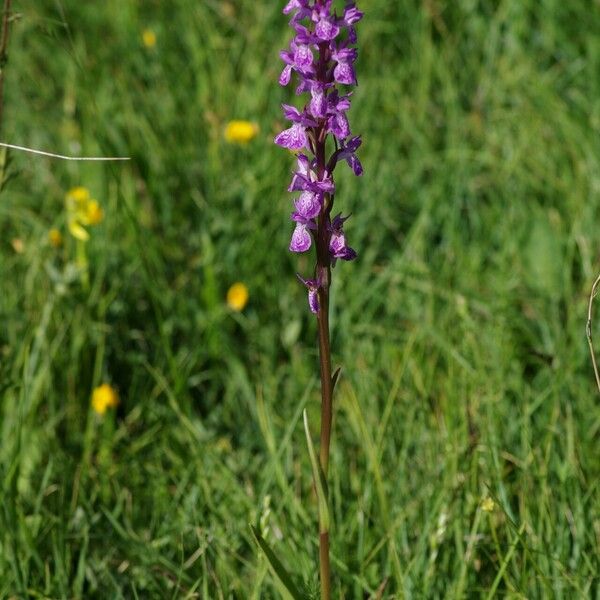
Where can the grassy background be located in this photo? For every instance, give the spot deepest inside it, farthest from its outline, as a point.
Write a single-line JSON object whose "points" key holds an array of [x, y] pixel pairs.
{"points": [[460, 328]]}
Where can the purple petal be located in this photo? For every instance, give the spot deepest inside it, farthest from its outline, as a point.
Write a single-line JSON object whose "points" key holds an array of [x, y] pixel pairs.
{"points": [[338, 223], [337, 243], [346, 254], [352, 15], [318, 103], [308, 120], [300, 5], [291, 113], [308, 205], [344, 73], [302, 173], [339, 126], [303, 58], [303, 35], [285, 76], [304, 163], [287, 57], [308, 282], [326, 30], [348, 55], [326, 185], [301, 239], [355, 165], [308, 223], [293, 138], [313, 300], [339, 249], [313, 292], [348, 154], [353, 144], [350, 254], [342, 105], [304, 86], [299, 183], [290, 6]]}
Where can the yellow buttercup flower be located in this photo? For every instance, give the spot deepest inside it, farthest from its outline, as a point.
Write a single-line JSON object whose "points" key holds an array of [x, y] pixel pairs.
{"points": [[149, 38], [82, 210], [237, 297], [77, 231], [240, 132], [103, 398], [488, 505], [55, 238], [95, 214], [79, 194]]}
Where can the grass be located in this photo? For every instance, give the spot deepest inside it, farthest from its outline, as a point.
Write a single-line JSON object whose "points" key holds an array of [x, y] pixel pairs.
{"points": [[461, 328]]}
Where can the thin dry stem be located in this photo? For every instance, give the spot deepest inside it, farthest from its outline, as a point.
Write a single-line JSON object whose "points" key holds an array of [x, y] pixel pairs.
{"points": [[61, 156], [588, 329]]}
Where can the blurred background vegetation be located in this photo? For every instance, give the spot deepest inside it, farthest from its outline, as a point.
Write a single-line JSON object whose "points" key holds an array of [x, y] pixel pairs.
{"points": [[465, 457]]}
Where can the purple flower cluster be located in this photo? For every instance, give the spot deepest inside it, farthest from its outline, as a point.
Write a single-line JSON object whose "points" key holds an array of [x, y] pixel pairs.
{"points": [[322, 55]]}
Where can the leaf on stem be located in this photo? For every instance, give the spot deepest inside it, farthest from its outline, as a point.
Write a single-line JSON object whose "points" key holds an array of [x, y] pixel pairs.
{"points": [[284, 580], [334, 378], [319, 480]]}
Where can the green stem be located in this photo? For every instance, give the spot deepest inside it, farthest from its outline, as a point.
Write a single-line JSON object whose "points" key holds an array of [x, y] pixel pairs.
{"points": [[324, 565], [326, 383], [82, 264]]}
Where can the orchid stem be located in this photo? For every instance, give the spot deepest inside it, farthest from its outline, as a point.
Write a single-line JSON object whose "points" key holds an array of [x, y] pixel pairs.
{"points": [[324, 277], [326, 419], [326, 391]]}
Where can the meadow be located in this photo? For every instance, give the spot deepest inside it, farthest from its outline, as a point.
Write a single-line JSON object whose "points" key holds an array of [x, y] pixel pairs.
{"points": [[465, 456]]}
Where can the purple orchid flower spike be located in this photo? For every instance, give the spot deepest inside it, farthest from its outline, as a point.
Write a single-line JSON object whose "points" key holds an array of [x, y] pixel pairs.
{"points": [[322, 54]]}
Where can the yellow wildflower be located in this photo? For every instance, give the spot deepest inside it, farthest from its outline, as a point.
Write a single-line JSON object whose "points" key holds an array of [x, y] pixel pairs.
{"points": [[240, 132], [223, 444], [55, 238], [77, 231], [104, 397], [237, 297], [488, 505], [95, 214], [82, 210], [18, 245], [228, 9], [149, 38], [79, 194]]}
